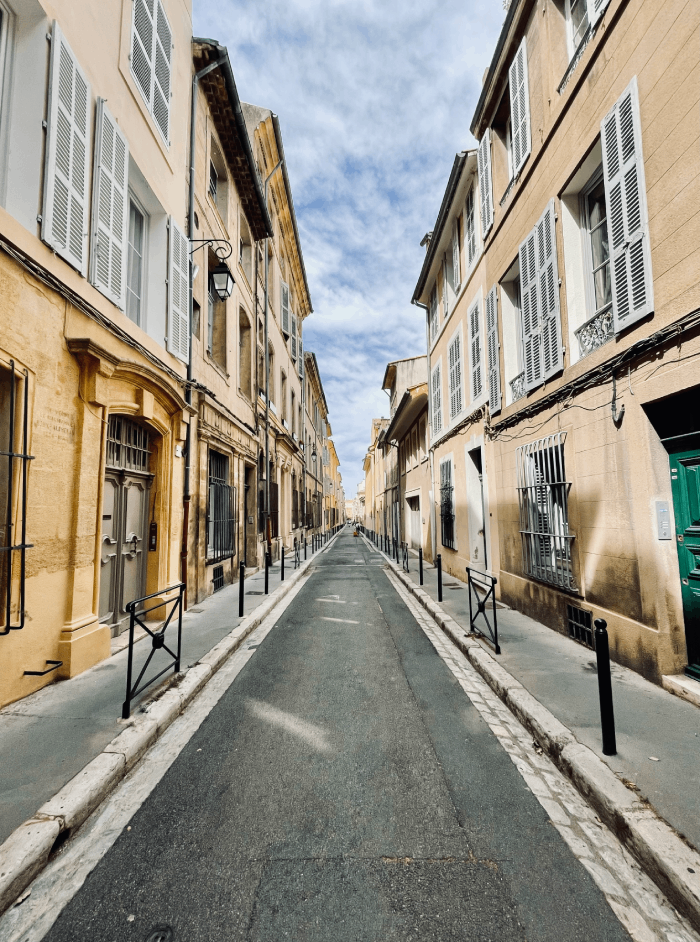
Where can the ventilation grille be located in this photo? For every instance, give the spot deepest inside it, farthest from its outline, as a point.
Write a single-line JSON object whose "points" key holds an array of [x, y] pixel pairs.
{"points": [[218, 579], [580, 625]]}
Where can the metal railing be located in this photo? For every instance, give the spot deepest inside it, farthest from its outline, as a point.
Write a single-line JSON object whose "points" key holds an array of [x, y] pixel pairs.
{"points": [[478, 581], [136, 616]]}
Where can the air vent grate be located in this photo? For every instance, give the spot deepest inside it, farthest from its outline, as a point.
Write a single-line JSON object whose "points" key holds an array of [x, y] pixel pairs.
{"points": [[580, 625]]}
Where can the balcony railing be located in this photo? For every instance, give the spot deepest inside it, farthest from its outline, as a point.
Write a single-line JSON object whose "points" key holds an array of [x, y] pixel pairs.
{"points": [[595, 332], [517, 387]]}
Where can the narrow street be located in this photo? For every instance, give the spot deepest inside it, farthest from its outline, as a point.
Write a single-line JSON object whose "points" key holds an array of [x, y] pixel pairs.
{"points": [[345, 787]]}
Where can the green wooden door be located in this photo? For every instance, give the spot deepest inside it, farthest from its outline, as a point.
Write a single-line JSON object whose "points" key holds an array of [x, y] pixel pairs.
{"points": [[685, 484]]}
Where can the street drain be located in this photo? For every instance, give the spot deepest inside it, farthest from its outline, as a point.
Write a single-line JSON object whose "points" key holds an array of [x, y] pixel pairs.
{"points": [[160, 934]]}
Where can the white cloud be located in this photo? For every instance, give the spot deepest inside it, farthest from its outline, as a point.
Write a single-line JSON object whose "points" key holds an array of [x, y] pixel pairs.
{"points": [[374, 98]]}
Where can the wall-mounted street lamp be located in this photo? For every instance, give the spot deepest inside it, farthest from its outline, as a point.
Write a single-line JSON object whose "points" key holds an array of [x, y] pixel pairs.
{"points": [[221, 276]]}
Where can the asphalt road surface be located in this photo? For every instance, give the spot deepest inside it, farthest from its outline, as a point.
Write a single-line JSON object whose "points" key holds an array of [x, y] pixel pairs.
{"points": [[343, 789]]}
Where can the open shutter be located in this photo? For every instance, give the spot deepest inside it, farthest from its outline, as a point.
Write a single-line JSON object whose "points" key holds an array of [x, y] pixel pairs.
{"points": [[519, 107], [625, 198], [178, 293], [434, 316], [151, 59], [284, 293], [493, 347], [445, 297], [300, 361], [64, 221], [162, 72], [109, 208], [548, 293], [437, 401], [532, 344], [475, 351], [455, 256], [293, 344], [455, 376], [142, 47], [485, 183]]}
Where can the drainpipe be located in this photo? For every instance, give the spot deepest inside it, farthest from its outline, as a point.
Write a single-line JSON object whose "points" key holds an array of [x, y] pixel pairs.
{"points": [[430, 431], [188, 390], [268, 534]]}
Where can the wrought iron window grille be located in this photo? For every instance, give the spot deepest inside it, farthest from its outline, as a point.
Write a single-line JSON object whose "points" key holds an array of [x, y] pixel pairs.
{"points": [[221, 530], [13, 489], [127, 444], [218, 580], [447, 517]]}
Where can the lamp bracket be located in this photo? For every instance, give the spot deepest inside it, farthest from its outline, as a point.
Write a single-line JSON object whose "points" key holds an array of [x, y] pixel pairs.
{"points": [[222, 248]]}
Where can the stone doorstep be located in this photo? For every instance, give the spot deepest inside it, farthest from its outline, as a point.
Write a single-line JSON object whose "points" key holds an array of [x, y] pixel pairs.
{"points": [[669, 861], [28, 849], [682, 686]]}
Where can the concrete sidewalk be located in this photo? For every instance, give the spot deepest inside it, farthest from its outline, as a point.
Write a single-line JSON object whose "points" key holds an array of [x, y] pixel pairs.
{"points": [[50, 736], [658, 734]]}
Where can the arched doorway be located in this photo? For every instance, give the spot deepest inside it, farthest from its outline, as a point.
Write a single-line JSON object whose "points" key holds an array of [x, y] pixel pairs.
{"points": [[125, 514]]}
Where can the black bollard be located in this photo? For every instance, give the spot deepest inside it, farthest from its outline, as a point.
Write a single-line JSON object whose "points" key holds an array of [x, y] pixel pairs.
{"points": [[267, 572], [439, 569], [282, 566], [304, 547], [420, 564], [607, 717], [241, 589]]}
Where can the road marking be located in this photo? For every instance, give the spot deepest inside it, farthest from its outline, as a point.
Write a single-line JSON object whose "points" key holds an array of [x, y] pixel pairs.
{"points": [[313, 735], [337, 601], [344, 621], [636, 901]]}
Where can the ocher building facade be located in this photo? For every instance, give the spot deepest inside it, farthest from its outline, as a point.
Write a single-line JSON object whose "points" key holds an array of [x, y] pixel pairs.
{"points": [[92, 357]]}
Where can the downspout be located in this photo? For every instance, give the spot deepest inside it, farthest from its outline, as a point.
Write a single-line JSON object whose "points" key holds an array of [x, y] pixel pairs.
{"points": [[431, 454], [188, 389], [268, 530]]}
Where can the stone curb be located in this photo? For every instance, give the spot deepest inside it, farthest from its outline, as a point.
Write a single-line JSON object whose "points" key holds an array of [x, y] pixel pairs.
{"points": [[27, 850], [669, 861]]}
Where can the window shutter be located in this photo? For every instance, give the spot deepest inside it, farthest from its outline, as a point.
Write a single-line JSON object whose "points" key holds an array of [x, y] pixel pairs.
{"points": [[455, 376], [142, 47], [437, 403], [455, 256], [64, 214], [493, 347], [284, 303], [434, 316], [301, 359], [532, 353], [519, 107], [475, 351], [548, 293], [445, 299], [109, 208], [293, 318], [151, 55], [178, 293], [163, 65], [628, 224], [485, 182]]}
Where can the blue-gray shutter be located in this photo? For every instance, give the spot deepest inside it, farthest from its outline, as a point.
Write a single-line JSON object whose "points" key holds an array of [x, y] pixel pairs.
{"points": [[548, 293], [519, 107], [493, 347], [110, 187], [178, 293], [485, 182], [532, 352]]}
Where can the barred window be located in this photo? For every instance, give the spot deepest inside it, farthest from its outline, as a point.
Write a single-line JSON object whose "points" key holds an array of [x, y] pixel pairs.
{"points": [[447, 507], [127, 444], [221, 510], [543, 495]]}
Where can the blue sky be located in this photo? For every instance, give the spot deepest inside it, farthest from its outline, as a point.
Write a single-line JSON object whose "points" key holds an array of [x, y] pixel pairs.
{"points": [[375, 98]]}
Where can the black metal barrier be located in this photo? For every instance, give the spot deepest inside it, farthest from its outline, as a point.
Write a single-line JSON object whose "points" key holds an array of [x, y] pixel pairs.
{"points": [[482, 581], [157, 640]]}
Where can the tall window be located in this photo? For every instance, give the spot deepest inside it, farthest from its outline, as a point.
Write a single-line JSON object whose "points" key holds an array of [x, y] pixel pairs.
{"points": [[220, 512], [543, 496], [244, 355], [577, 15], [447, 509], [599, 258], [470, 228], [135, 270]]}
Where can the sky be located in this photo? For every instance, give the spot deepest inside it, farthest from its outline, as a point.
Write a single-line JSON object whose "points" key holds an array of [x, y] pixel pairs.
{"points": [[375, 98]]}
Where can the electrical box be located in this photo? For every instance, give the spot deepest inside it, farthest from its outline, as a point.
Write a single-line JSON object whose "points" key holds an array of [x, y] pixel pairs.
{"points": [[153, 537], [663, 520]]}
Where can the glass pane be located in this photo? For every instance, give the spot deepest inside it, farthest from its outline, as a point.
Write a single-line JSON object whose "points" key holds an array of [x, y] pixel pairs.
{"points": [[135, 264], [579, 20], [603, 291], [600, 250]]}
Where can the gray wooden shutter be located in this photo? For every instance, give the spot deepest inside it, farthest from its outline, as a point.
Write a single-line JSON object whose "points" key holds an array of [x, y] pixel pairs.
{"points": [[493, 347], [455, 256], [455, 376], [64, 223], [485, 182], [625, 198], [284, 304], [300, 359], [178, 293], [142, 47], [151, 59], [293, 344], [434, 316], [548, 293], [162, 72], [519, 107], [532, 344], [108, 256], [445, 298], [437, 401], [475, 351]]}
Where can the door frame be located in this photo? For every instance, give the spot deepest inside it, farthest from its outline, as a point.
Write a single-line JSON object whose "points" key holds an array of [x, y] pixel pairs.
{"points": [[677, 451]]}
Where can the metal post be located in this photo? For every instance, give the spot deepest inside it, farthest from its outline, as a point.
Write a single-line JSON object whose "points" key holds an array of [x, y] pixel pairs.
{"points": [[304, 547], [420, 564], [439, 569], [607, 717], [267, 572], [241, 589], [126, 708], [282, 566]]}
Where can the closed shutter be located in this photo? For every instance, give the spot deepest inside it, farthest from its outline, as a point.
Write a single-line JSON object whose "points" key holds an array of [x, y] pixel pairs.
{"points": [[284, 303], [301, 360], [493, 347], [109, 208], [151, 60], [519, 107], [64, 221], [178, 293], [532, 353], [455, 376], [293, 344], [475, 351], [485, 183], [437, 401], [628, 224], [548, 293], [445, 299], [455, 256]]}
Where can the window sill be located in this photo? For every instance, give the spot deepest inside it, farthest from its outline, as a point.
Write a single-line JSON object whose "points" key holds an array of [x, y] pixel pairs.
{"points": [[576, 58]]}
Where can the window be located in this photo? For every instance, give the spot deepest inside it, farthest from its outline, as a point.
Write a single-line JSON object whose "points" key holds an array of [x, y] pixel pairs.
{"points": [[493, 347], [283, 398], [543, 494], [216, 321], [456, 281], [512, 327], [284, 305], [213, 180], [445, 293], [151, 51], [245, 250], [245, 383], [597, 248], [577, 18], [447, 513], [436, 390], [293, 414], [470, 229], [220, 510], [455, 375], [433, 313], [135, 279]]}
